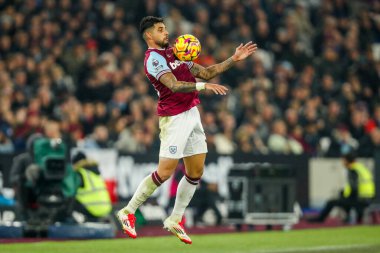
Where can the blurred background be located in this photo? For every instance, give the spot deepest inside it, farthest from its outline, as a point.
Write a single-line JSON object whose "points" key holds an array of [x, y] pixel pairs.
{"points": [[74, 70]]}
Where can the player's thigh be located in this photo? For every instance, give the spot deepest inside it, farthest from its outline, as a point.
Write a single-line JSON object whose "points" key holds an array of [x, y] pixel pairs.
{"points": [[196, 143], [175, 131], [166, 167], [194, 165]]}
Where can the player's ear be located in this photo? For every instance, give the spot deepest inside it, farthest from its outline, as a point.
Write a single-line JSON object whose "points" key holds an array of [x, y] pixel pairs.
{"points": [[147, 35]]}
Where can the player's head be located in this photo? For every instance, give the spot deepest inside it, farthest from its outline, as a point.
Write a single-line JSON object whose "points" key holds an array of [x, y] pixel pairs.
{"points": [[154, 31]]}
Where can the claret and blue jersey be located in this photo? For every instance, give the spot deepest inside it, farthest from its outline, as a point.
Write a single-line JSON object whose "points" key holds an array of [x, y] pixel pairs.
{"points": [[159, 62]]}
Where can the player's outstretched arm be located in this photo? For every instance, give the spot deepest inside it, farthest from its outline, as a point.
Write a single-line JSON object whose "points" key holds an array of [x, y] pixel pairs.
{"points": [[170, 81], [241, 53]]}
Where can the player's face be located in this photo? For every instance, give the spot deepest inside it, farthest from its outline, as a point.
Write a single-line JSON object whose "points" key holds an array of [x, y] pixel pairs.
{"points": [[160, 35]]}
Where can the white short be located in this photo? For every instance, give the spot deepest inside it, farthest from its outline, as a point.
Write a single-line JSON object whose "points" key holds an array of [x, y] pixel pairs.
{"points": [[182, 135]]}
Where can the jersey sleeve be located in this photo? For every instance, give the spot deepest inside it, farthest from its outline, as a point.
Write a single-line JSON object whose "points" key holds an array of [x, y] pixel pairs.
{"points": [[156, 65]]}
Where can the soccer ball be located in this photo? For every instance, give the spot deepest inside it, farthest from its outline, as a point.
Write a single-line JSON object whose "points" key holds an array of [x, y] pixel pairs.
{"points": [[187, 47]]}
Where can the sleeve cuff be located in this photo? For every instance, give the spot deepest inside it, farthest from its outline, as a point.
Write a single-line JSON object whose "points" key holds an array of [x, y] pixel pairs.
{"points": [[161, 73]]}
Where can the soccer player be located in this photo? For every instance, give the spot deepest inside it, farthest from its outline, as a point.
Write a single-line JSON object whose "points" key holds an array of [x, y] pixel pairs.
{"points": [[181, 131]]}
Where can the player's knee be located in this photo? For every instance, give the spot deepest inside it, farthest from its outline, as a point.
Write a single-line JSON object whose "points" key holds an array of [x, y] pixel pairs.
{"points": [[166, 168], [195, 173], [165, 176]]}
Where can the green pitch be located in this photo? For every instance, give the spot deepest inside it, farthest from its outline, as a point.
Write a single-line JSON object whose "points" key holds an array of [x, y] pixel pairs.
{"points": [[338, 240]]}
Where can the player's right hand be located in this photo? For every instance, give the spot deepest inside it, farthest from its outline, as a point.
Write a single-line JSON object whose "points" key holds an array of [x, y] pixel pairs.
{"points": [[216, 88]]}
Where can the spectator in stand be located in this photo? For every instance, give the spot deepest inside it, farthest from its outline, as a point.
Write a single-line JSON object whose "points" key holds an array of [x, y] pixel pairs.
{"points": [[98, 139], [76, 61], [369, 143], [6, 145], [224, 141], [280, 143]]}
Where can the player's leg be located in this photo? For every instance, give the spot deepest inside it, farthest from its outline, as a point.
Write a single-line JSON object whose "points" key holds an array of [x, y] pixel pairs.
{"points": [[188, 184], [146, 188], [185, 192], [171, 149], [150, 183], [194, 158]]}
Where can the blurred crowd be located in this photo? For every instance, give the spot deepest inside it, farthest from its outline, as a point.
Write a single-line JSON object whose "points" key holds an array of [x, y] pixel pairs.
{"points": [[312, 87]]}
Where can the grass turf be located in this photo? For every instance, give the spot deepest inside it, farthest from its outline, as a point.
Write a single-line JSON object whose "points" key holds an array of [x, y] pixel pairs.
{"points": [[332, 240]]}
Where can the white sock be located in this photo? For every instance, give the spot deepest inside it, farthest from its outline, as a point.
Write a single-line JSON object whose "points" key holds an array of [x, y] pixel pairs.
{"points": [[146, 188], [185, 192]]}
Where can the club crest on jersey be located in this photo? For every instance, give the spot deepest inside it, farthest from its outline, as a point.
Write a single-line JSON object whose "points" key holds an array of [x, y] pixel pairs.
{"points": [[175, 64], [173, 149]]}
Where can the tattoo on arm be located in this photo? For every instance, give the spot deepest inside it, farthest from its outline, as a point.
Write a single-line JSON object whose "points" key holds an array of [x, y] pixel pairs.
{"points": [[212, 71], [174, 85]]}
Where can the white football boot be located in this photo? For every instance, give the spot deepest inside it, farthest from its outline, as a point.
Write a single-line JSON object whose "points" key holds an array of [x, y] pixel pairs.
{"points": [[177, 229]]}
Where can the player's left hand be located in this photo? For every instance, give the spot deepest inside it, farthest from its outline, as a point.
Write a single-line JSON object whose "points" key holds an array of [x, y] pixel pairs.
{"points": [[243, 51]]}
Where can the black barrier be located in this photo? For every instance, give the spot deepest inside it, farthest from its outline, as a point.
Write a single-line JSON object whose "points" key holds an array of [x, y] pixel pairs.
{"points": [[260, 188], [5, 168], [299, 163]]}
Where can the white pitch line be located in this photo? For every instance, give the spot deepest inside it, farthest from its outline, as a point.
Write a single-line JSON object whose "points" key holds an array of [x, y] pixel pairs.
{"points": [[321, 248]]}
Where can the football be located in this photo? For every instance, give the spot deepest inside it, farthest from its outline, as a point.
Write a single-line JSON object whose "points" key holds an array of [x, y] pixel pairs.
{"points": [[187, 47]]}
